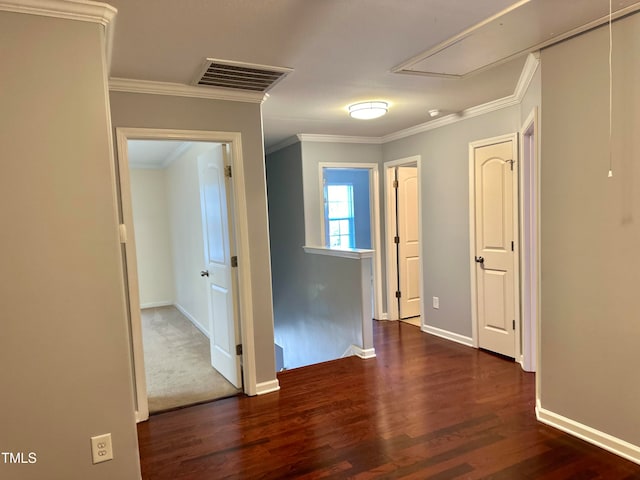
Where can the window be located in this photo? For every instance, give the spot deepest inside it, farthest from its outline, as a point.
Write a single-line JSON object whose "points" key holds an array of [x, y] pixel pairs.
{"points": [[339, 225]]}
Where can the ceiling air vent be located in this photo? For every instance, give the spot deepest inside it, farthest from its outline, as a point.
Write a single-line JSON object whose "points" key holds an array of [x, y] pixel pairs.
{"points": [[240, 76]]}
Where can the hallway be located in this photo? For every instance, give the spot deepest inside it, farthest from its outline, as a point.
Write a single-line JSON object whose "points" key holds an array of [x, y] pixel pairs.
{"points": [[424, 408]]}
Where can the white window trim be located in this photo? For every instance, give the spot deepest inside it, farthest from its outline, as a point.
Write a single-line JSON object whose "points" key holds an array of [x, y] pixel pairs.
{"points": [[350, 219]]}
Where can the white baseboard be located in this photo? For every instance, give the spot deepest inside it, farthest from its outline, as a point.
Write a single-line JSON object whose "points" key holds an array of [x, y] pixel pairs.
{"points": [[454, 337], [348, 352], [192, 319], [600, 439], [359, 352], [166, 303], [267, 387], [383, 316], [363, 352]]}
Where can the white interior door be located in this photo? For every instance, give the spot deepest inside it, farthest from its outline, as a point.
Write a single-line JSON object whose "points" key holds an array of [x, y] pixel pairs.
{"points": [[408, 242], [223, 331], [494, 247]]}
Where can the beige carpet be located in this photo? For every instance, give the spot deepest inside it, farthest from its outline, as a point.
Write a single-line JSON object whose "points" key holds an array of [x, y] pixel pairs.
{"points": [[177, 362]]}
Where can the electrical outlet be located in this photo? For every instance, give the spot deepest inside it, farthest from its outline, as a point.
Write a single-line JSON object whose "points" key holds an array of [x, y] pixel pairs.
{"points": [[101, 448], [436, 302]]}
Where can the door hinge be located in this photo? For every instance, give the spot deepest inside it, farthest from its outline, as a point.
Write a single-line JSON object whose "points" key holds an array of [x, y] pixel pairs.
{"points": [[122, 230], [396, 239], [514, 324], [398, 294], [239, 349], [227, 171], [512, 245], [234, 261], [395, 184]]}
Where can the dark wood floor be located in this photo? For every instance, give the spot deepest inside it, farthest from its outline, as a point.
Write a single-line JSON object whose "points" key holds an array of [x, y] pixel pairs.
{"points": [[425, 408]]}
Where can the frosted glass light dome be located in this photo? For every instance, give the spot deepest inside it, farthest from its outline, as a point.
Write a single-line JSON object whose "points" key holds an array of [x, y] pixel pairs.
{"points": [[368, 110]]}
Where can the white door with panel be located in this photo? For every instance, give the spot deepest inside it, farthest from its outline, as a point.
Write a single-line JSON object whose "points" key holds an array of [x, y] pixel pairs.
{"points": [[495, 197], [408, 242], [218, 273]]}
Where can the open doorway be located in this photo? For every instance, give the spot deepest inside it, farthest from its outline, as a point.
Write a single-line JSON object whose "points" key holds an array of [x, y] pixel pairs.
{"points": [[530, 241], [403, 246], [192, 313], [168, 193]]}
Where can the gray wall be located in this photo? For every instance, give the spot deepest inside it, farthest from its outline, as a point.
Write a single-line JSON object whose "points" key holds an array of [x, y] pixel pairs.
{"points": [[314, 153], [445, 210], [591, 232], [286, 222], [319, 316], [159, 111], [317, 309], [63, 343]]}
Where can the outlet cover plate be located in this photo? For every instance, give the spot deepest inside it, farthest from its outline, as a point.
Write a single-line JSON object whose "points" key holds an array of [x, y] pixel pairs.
{"points": [[101, 449]]}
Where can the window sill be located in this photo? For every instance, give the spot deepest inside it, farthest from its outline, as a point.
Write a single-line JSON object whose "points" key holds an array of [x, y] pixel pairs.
{"points": [[355, 253]]}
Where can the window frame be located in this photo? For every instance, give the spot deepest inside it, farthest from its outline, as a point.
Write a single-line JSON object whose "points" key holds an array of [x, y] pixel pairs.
{"points": [[351, 235]]}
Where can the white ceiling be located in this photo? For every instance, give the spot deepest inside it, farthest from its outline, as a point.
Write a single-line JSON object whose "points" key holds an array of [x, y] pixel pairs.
{"points": [[343, 51], [513, 32], [153, 154]]}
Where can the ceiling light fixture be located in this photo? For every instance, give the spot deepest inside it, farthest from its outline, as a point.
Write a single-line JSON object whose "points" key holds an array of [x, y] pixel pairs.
{"points": [[368, 110], [434, 112]]}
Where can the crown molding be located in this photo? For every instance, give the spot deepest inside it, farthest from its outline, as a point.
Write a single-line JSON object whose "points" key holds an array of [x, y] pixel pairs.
{"points": [[528, 72], [83, 10], [526, 76], [452, 118], [319, 138], [181, 90], [312, 137], [423, 127], [177, 153], [166, 161], [287, 142], [80, 10]]}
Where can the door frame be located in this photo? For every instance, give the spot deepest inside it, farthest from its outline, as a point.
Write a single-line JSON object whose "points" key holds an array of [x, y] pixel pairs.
{"points": [[127, 235], [374, 212], [391, 254], [513, 137], [530, 238]]}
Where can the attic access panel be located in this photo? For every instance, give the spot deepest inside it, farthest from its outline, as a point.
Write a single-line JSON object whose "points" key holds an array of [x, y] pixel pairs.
{"points": [[240, 76], [526, 26]]}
